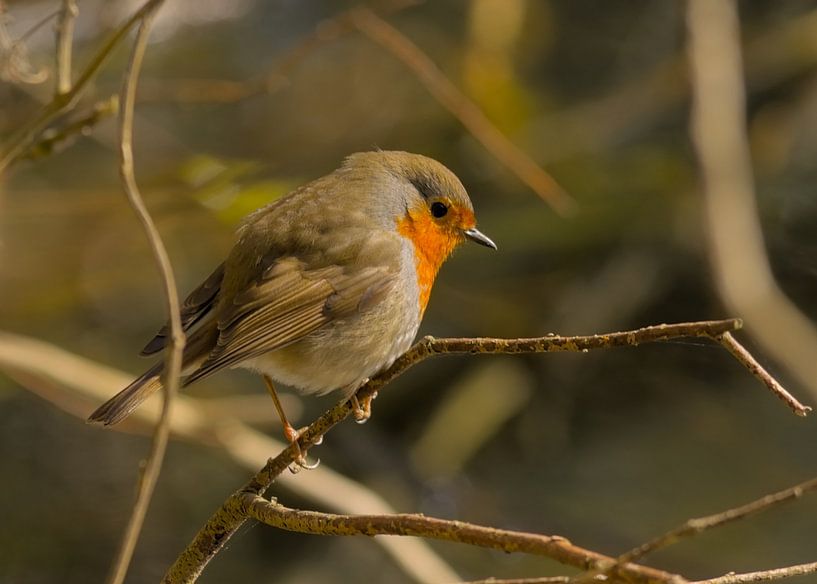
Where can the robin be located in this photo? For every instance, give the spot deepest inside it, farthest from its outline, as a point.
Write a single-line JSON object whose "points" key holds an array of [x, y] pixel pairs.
{"points": [[326, 286]]}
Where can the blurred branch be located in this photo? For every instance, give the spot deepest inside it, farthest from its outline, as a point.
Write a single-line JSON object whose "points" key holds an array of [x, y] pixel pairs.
{"points": [[72, 383], [14, 64], [29, 131], [173, 354], [56, 137], [275, 78], [65, 42], [462, 108], [554, 547], [737, 252], [232, 513], [763, 576]]}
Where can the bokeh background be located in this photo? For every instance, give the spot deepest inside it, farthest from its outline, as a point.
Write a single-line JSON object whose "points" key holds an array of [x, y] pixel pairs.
{"points": [[608, 448]]}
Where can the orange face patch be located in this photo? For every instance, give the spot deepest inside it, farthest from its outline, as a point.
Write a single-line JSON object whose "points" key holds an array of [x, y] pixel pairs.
{"points": [[433, 243]]}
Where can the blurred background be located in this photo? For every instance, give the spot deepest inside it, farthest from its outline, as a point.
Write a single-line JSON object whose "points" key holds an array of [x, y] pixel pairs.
{"points": [[235, 108]]}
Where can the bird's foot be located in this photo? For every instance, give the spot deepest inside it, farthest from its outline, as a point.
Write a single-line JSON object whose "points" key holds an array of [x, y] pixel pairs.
{"points": [[362, 409], [299, 461]]}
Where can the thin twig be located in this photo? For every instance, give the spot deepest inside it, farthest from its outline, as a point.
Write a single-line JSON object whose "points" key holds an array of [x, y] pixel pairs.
{"points": [[697, 525], [195, 91], [65, 43], [173, 359], [554, 547], [230, 516], [764, 575], [27, 133], [57, 137], [744, 277], [741, 354], [462, 108], [542, 580]]}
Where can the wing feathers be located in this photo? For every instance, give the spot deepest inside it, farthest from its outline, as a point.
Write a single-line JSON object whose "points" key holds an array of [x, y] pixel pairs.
{"points": [[288, 303]]}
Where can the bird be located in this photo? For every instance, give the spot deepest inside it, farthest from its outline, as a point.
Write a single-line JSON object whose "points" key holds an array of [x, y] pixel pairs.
{"points": [[324, 287]]}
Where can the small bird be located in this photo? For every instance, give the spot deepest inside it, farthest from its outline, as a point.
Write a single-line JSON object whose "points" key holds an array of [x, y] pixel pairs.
{"points": [[324, 287]]}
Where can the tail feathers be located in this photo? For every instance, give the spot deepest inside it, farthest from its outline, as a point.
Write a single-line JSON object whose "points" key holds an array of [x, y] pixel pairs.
{"points": [[123, 403]]}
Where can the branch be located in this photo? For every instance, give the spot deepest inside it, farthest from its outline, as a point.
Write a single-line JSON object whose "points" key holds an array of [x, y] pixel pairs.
{"points": [[57, 137], [462, 108], [173, 359], [736, 248], [763, 576], [697, 525], [229, 91], [554, 547], [65, 40], [20, 140], [231, 515]]}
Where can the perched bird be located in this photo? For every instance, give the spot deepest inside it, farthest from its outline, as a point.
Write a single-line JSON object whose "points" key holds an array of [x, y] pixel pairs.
{"points": [[324, 287]]}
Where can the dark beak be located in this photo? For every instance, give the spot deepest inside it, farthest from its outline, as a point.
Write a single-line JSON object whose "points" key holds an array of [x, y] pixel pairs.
{"points": [[477, 236]]}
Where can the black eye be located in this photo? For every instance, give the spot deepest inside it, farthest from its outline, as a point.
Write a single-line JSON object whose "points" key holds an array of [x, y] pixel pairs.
{"points": [[438, 209]]}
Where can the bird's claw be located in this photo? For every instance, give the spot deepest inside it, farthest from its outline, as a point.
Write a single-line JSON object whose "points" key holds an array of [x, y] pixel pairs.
{"points": [[362, 409], [299, 460]]}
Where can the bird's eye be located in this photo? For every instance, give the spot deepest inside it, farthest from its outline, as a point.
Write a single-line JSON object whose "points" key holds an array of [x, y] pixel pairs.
{"points": [[438, 209]]}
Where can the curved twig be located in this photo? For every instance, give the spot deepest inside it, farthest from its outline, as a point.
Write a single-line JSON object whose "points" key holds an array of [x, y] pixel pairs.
{"points": [[173, 360]]}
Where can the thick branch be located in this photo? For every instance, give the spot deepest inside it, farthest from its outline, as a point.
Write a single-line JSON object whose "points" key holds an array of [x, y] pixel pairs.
{"points": [[555, 547], [230, 516]]}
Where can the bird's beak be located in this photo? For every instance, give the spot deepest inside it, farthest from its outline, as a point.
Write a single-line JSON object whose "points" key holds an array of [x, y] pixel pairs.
{"points": [[477, 236]]}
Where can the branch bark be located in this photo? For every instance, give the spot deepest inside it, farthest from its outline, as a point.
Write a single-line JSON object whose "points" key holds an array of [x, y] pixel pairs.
{"points": [[232, 513], [554, 547]]}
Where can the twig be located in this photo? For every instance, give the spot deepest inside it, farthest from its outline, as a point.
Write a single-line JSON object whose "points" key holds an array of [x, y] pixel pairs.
{"points": [[741, 354], [542, 580], [763, 576], [741, 266], [57, 136], [65, 41], [275, 78], [462, 108], [554, 547], [27, 133], [14, 64], [697, 525], [230, 516], [173, 359]]}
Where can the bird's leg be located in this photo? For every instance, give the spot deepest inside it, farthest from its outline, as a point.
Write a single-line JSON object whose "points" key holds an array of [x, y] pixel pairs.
{"points": [[290, 432]]}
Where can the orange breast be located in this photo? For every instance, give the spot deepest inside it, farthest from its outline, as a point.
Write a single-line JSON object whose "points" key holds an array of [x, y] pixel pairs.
{"points": [[433, 243]]}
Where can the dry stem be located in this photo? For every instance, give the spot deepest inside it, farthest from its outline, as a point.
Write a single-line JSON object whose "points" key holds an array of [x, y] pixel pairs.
{"points": [[764, 575], [28, 132], [697, 525], [65, 43], [173, 359]]}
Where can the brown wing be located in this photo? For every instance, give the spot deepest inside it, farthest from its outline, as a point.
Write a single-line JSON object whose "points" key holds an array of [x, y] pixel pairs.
{"points": [[288, 303], [194, 308]]}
